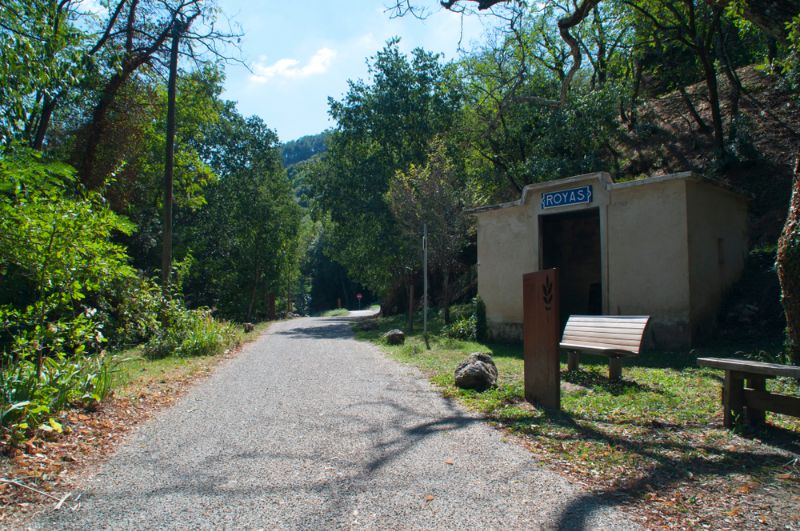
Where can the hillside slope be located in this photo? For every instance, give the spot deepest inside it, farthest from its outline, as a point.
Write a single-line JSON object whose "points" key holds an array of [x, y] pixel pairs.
{"points": [[762, 150]]}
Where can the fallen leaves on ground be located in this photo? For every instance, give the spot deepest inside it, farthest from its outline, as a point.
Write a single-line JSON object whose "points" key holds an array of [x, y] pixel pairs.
{"points": [[55, 464]]}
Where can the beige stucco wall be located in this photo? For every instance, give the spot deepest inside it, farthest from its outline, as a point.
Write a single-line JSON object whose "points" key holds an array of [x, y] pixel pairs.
{"points": [[717, 221], [648, 257], [504, 255]]}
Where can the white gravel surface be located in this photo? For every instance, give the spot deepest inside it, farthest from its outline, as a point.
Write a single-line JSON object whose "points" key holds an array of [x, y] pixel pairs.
{"points": [[310, 429]]}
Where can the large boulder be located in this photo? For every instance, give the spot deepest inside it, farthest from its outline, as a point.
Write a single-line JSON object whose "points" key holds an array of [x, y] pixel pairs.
{"points": [[395, 337], [476, 372]]}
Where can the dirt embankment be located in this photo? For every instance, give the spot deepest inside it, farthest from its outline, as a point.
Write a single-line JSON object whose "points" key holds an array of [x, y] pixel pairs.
{"points": [[763, 142]]}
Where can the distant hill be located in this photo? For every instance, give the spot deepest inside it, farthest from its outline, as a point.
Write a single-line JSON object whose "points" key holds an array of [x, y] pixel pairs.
{"points": [[304, 148]]}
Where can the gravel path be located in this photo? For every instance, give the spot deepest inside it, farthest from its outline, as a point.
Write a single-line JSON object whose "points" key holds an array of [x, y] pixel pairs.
{"points": [[308, 428]]}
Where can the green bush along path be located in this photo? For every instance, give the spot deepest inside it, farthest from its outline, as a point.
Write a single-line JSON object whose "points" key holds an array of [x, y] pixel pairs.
{"points": [[308, 428]]}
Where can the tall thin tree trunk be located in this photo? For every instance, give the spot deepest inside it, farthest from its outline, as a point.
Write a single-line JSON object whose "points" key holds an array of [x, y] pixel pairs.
{"points": [[446, 295], [713, 99], [166, 254], [788, 266], [48, 107], [410, 304], [693, 111]]}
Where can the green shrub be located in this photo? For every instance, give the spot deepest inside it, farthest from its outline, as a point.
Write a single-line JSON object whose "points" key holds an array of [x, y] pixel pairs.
{"points": [[462, 328], [134, 314], [58, 259], [458, 311], [187, 333], [29, 403]]}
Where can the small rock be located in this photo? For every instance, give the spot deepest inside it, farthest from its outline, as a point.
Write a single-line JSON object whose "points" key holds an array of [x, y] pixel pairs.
{"points": [[476, 372], [395, 337], [248, 327]]}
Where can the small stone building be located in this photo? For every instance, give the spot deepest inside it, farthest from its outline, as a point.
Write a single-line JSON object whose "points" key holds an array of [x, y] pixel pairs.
{"points": [[667, 246]]}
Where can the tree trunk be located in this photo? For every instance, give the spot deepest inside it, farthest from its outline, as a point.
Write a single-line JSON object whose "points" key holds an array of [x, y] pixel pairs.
{"points": [[788, 266], [410, 324], [713, 99], [48, 107], [271, 306], [693, 111], [446, 295], [169, 163], [87, 157]]}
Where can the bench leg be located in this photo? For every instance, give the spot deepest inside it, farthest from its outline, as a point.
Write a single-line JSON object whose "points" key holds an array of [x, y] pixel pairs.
{"points": [[615, 369], [573, 360], [756, 417], [732, 398]]}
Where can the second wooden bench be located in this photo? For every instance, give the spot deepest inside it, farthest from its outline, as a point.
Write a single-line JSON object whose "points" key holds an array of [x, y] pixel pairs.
{"points": [[613, 336]]}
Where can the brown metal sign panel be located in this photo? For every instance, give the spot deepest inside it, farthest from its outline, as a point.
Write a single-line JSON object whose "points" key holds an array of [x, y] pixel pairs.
{"points": [[541, 331]]}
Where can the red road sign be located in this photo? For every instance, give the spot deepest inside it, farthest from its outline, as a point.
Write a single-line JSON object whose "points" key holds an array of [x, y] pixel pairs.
{"points": [[359, 296]]}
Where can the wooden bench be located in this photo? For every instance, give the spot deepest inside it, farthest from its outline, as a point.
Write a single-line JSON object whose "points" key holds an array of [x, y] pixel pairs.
{"points": [[613, 336], [744, 392]]}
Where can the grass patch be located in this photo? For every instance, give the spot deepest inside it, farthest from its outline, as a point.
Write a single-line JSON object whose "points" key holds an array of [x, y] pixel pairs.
{"points": [[338, 312], [134, 373], [659, 427]]}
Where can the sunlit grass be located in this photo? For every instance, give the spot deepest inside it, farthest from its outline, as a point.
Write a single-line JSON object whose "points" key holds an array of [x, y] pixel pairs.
{"points": [[134, 374]]}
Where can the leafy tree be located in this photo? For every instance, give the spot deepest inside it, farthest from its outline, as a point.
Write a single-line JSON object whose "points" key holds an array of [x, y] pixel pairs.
{"points": [[513, 119], [245, 239], [434, 195], [56, 250], [383, 125]]}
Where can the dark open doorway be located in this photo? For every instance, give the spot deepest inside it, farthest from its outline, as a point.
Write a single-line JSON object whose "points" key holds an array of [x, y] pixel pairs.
{"points": [[571, 243]]}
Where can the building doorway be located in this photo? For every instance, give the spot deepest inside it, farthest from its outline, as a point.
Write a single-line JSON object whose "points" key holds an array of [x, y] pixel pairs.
{"points": [[571, 243]]}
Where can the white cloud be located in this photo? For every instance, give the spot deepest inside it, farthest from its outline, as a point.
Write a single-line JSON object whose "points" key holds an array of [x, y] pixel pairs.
{"points": [[95, 7], [319, 63]]}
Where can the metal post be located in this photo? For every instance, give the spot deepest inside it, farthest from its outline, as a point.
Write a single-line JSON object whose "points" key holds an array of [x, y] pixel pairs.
{"points": [[425, 284]]}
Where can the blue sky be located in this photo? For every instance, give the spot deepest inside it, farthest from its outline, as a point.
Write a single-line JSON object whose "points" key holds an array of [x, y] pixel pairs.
{"points": [[301, 52]]}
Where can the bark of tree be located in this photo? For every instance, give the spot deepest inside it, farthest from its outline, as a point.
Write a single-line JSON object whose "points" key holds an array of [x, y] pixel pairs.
{"points": [[410, 318], [693, 111], [169, 163], [564, 26], [446, 295], [710, 72], [788, 266], [771, 15]]}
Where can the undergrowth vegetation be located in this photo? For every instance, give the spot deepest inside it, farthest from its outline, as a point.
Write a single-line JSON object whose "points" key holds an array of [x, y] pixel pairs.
{"points": [[66, 285]]}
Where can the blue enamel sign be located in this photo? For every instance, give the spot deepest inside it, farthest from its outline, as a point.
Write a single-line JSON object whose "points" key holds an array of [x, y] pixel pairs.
{"points": [[573, 196]]}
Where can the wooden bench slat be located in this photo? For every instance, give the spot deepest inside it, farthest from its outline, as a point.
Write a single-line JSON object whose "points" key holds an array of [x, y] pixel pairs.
{"points": [[608, 319], [605, 340], [625, 334], [752, 367], [600, 349], [610, 327], [764, 401]]}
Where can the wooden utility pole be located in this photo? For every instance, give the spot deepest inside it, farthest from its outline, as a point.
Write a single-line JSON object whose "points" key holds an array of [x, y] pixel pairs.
{"points": [[166, 254]]}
